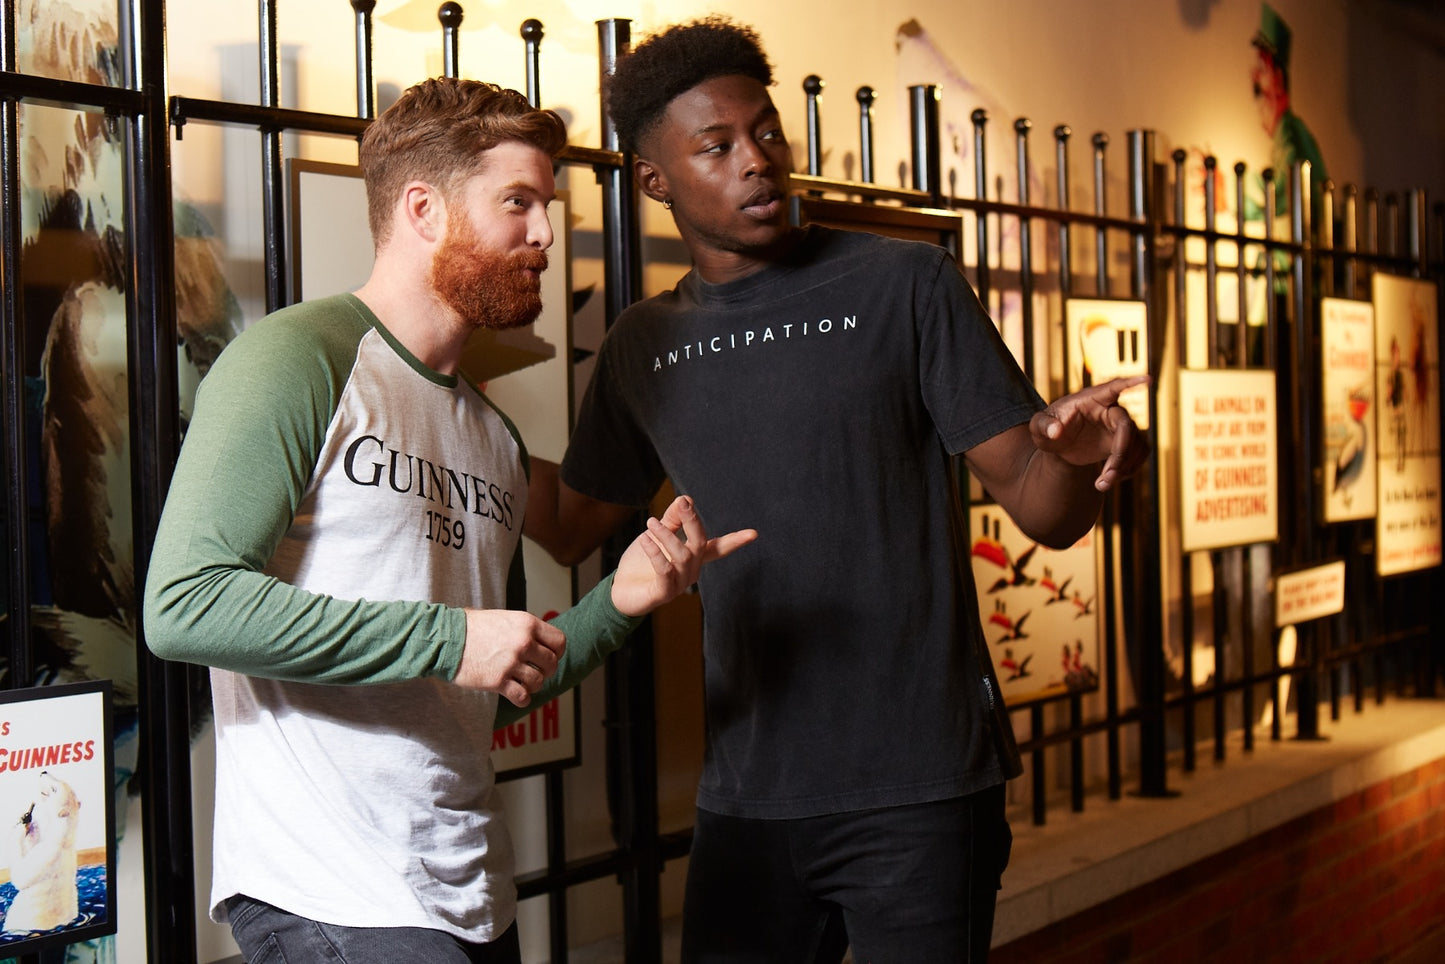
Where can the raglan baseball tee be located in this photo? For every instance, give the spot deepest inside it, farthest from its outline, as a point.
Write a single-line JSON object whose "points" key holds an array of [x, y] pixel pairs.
{"points": [[335, 505]]}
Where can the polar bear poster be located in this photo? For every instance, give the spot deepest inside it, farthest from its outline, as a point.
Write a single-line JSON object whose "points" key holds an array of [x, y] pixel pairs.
{"points": [[43, 859]]}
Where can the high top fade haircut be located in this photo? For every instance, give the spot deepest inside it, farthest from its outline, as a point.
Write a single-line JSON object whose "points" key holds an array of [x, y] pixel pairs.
{"points": [[673, 62], [439, 132]]}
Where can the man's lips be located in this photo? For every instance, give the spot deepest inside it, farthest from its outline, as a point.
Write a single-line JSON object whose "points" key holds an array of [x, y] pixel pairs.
{"points": [[764, 204]]}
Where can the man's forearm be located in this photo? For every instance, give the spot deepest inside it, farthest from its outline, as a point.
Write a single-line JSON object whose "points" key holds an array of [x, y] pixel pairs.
{"points": [[1058, 502]]}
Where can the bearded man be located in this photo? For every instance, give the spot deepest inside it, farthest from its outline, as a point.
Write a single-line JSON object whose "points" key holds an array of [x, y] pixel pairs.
{"points": [[348, 510]]}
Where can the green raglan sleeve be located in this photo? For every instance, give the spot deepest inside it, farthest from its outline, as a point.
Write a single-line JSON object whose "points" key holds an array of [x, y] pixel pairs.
{"points": [[595, 629], [260, 419]]}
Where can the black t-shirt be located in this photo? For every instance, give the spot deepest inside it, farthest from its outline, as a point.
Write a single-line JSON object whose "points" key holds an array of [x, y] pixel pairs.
{"points": [[817, 401]]}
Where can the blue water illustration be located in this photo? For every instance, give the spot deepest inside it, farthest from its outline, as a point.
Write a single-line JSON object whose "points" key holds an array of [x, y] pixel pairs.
{"points": [[91, 886]]}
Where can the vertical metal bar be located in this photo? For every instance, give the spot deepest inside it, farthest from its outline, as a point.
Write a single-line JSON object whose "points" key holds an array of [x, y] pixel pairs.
{"points": [[273, 184], [1354, 534], [1211, 263], [1101, 208], [1100, 142], [1022, 126], [1306, 450], [1241, 278], [1216, 358], [1393, 234], [1039, 788], [1109, 513], [1144, 619], [631, 710], [1076, 719], [1271, 313], [450, 16], [1419, 251], [1061, 162], [622, 242], [923, 113], [553, 792], [1242, 360], [979, 117], [1438, 221], [1370, 244], [12, 361], [1221, 634], [1372, 221], [1076, 754], [532, 38], [1415, 236], [1351, 238], [813, 87], [1113, 750], [1183, 320], [1333, 634], [865, 97], [165, 759], [365, 89], [556, 861]]}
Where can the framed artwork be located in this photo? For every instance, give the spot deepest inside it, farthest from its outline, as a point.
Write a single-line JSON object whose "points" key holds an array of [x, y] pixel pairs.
{"points": [[1347, 389], [526, 371], [57, 791], [1229, 458], [1407, 424], [1039, 607], [1109, 338]]}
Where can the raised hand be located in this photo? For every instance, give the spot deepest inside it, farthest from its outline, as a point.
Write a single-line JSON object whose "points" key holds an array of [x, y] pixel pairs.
{"points": [[509, 652], [1090, 426], [660, 563]]}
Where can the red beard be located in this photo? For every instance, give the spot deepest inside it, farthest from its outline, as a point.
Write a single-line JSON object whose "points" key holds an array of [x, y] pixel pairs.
{"points": [[487, 288]]}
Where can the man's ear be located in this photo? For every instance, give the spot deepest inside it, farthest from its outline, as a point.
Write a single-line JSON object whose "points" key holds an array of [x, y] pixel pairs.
{"points": [[650, 180], [423, 210]]}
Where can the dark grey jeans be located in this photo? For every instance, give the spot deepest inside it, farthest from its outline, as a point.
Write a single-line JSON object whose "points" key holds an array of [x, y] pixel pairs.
{"points": [[269, 935]]}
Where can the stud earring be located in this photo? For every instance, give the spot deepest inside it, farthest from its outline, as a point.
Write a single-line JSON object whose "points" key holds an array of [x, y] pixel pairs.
{"points": [[667, 204]]}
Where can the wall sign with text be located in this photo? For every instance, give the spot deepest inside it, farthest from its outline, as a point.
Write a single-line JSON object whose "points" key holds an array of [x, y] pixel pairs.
{"points": [[1347, 388], [57, 818], [1407, 424], [1109, 338], [1229, 458]]}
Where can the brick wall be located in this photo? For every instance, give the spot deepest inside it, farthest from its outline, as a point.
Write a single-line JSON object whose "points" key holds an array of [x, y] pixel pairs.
{"points": [[1360, 880]]}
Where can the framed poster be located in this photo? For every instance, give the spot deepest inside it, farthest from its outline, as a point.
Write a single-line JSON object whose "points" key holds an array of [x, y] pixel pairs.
{"points": [[1229, 458], [1039, 608], [526, 371], [1109, 338], [57, 794], [1407, 424], [1347, 388]]}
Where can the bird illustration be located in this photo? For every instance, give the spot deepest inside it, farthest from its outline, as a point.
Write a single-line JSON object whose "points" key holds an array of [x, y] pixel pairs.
{"points": [[1017, 669], [991, 550], [1013, 628], [1014, 574], [1350, 459], [1058, 592]]}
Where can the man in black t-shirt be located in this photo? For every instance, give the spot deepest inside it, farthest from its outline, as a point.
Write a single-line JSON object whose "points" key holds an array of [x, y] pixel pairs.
{"points": [[813, 384]]}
